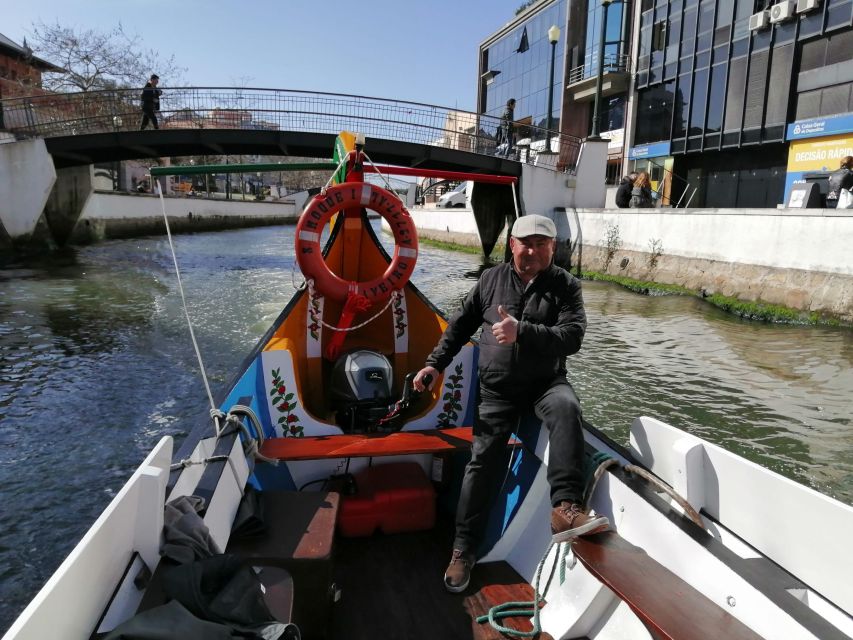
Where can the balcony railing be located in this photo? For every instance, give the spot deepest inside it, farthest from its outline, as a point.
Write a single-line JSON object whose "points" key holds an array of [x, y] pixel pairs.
{"points": [[266, 109], [612, 64]]}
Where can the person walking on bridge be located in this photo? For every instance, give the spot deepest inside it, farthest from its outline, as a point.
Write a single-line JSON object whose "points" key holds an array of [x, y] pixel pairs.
{"points": [[532, 317], [150, 102]]}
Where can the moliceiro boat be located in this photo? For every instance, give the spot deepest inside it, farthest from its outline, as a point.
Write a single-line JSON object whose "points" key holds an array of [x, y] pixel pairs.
{"points": [[317, 502]]}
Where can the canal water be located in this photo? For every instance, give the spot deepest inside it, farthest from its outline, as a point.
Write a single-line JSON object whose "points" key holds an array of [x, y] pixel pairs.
{"points": [[96, 366]]}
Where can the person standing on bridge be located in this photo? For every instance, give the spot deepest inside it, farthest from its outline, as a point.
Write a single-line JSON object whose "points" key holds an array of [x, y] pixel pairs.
{"points": [[532, 317], [508, 126], [150, 102]]}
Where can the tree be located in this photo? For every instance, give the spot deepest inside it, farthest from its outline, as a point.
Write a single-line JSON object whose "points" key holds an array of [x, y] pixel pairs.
{"points": [[96, 60]]}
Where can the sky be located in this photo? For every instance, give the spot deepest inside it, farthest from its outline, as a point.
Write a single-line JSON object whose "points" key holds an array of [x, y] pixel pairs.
{"points": [[419, 50]]}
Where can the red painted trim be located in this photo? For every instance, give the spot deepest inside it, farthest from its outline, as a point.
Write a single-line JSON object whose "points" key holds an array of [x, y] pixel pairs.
{"points": [[438, 173]]}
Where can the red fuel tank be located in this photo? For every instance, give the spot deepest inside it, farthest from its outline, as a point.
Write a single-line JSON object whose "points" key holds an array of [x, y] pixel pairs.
{"points": [[392, 497]]}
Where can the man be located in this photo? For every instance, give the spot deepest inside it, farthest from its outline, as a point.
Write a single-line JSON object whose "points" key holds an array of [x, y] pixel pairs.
{"points": [[533, 317], [841, 178], [623, 193], [150, 102], [508, 126]]}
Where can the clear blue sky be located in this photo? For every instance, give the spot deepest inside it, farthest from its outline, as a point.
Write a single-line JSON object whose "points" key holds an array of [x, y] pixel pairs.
{"points": [[424, 51]]}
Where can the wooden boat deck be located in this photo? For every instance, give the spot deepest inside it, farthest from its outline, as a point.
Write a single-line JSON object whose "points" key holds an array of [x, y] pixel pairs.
{"points": [[391, 587]]}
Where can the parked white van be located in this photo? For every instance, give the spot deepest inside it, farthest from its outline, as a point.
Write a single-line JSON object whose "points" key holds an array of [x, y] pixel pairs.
{"points": [[458, 197]]}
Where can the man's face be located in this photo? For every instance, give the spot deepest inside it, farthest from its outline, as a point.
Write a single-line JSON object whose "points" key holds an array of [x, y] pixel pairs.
{"points": [[531, 255]]}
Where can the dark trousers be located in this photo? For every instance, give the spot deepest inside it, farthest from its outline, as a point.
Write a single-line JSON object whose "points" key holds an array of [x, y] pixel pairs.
{"points": [[497, 417], [148, 114]]}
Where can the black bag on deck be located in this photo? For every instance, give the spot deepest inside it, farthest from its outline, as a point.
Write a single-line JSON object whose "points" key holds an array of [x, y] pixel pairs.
{"points": [[249, 521]]}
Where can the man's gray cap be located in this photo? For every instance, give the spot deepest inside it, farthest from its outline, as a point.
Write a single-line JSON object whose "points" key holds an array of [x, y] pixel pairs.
{"points": [[534, 225]]}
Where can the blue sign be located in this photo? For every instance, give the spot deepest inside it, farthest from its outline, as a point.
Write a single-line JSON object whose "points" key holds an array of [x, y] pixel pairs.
{"points": [[654, 150], [818, 127]]}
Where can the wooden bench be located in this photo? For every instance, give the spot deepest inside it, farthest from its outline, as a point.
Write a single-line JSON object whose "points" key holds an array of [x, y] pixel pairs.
{"points": [[494, 583], [669, 607], [299, 538], [369, 445]]}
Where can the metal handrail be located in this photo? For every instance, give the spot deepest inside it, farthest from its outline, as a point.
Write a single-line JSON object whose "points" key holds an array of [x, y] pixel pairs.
{"points": [[249, 108], [613, 63]]}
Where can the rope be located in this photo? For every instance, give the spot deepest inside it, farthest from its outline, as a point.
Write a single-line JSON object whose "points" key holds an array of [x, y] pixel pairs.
{"points": [[601, 462], [660, 484], [604, 462], [252, 445], [394, 294], [524, 609], [334, 173], [186, 311], [384, 179]]}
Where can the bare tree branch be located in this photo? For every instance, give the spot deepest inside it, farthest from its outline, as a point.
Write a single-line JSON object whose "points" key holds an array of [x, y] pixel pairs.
{"points": [[93, 60]]}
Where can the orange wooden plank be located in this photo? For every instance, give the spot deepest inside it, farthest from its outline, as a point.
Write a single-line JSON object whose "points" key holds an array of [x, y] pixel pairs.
{"points": [[363, 445]]}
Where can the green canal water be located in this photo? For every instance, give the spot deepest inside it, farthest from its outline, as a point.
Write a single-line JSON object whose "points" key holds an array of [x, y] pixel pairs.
{"points": [[96, 366]]}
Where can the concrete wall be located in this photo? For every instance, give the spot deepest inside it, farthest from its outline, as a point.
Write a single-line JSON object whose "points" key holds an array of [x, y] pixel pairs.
{"points": [[117, 215], [796, 258], [26, 178]]}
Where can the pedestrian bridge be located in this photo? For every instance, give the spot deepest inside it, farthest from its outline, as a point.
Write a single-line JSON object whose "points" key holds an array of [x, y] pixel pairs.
{"points": [[103, 126], [52, 140]]}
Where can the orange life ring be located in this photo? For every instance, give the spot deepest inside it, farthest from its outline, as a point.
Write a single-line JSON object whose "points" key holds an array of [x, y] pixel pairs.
{"points": [[318, 212]]}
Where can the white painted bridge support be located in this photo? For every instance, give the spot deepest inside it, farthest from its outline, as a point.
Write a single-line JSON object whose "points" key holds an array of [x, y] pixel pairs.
{"points": [[27, 176]]}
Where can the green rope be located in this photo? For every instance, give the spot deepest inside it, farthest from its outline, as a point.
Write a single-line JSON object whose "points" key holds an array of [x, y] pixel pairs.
{"points": [[529, 609]]}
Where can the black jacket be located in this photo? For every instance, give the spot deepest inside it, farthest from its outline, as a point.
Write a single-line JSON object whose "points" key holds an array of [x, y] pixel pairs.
{"points": [[552, 323], [839, 179], [151, 97], [623, 193]]}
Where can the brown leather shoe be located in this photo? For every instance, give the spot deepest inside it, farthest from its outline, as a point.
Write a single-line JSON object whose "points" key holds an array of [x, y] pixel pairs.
{"points": [[458, 573], [568, 520]]}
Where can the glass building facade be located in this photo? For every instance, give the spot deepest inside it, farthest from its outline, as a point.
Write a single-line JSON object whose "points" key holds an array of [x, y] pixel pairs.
{"points": [[722, 94], [516, 64]]}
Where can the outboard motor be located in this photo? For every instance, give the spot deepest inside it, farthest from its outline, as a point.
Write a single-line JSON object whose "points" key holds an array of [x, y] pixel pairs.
{"points": [[361, 390]]}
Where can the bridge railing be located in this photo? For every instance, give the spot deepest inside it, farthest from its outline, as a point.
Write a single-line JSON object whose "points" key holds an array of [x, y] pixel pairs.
{"points": [[269, 109]]}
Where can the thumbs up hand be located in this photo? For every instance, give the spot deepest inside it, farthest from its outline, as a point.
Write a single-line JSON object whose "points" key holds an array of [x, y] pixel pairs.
{"points": [[505, 330]]}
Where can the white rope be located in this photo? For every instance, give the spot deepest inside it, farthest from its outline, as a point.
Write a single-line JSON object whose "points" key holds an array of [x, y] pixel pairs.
{"points": [[394, 295], [334, 173], [184, 305], [252, 445], [293, 281], [381, 175]]}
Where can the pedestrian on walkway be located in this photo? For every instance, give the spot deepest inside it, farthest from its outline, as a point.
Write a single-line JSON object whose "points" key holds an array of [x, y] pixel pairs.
{"points": [[623, 193], [150, 102], [840, 179]]}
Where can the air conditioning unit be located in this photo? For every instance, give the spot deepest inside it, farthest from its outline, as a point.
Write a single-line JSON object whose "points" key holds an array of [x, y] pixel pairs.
{"points": [[807, 5], [782, 11], [760, 20]]}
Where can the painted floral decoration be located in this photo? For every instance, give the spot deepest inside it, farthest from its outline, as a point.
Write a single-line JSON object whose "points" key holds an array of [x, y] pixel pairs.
{"points": [[452, 399], [314, 314], [399, 316], [285, 404]]}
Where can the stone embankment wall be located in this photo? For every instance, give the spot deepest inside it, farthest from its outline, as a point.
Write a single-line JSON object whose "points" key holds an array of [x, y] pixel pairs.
{"points": [[796, 258], [800, 259], [116, 215]]}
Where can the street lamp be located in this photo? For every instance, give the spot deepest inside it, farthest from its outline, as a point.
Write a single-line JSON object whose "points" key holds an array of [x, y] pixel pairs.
{"points": [[596, 110], [553, 36]]}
